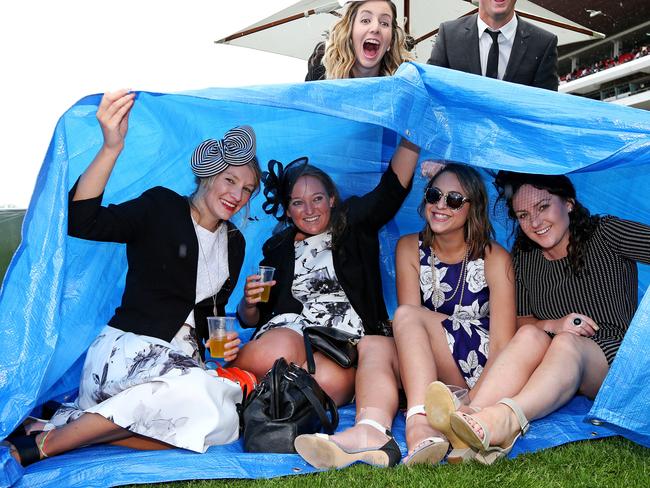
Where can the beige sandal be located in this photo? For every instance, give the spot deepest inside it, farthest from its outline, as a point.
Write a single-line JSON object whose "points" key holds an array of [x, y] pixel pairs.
{"points": [[465, 430], [439, 404]]}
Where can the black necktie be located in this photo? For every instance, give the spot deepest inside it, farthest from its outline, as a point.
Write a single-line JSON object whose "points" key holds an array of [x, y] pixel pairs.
{"points": [[492, 70]]}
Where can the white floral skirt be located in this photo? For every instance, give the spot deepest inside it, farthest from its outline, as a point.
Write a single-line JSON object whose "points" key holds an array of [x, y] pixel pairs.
{"points": [[156, 389]]}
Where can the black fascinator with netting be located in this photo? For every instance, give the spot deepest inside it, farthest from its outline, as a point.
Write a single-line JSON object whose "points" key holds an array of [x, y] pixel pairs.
{"points": [[278, 182]]}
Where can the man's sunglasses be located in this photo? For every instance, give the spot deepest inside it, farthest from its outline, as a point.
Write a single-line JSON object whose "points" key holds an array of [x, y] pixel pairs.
{"points": [[453, 199]]}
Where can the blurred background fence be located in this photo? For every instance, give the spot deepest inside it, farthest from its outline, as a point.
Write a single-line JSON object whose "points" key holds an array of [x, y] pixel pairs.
{"points": [[11, 221]]}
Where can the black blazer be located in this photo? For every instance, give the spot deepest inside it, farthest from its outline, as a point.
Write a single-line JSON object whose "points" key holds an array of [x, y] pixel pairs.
{"points": [[533, 59], [356, 257], [162, 254]]}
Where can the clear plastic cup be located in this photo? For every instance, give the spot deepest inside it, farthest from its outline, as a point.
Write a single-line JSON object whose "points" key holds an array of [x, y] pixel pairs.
{"points": [[266, 275], [461, 395], [218, 328]]}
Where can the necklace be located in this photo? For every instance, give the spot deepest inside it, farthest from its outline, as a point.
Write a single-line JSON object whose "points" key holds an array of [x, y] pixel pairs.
{"points": [[461, 280], [207, 267]]}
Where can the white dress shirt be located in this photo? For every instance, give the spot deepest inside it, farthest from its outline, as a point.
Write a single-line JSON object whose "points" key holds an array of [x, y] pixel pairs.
{"points": [[505, 39]]}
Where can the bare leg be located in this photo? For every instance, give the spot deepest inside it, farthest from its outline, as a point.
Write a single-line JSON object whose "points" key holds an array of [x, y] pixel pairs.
{"points": [[571, 364], [88, 429], [513, 367], [336, 381], [424, 356], [142, 443], [258, 355], [376, 393]]}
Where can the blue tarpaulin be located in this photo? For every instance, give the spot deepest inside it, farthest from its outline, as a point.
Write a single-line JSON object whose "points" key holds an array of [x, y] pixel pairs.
{"points": [[60, 291]]}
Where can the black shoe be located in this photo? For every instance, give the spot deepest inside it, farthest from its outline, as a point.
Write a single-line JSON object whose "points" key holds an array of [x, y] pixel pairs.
{"points": [[322, 452], [26, 448]]}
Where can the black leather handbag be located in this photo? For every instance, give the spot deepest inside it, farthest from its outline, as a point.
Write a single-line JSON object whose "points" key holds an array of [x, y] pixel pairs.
{"points": [[338, 345], [287, 402]]}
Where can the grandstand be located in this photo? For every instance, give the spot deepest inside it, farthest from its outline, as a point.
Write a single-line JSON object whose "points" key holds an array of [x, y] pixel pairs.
{"points": [[615, 69]]}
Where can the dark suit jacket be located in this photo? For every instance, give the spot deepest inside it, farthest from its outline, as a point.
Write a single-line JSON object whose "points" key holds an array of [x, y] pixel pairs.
{"points": [[533, 60], [355, 257], [162, 254]]}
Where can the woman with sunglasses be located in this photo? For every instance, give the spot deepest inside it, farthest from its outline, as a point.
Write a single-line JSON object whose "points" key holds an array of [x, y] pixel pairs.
{"points": [[456, 295], [326, 256], [577, 290]]}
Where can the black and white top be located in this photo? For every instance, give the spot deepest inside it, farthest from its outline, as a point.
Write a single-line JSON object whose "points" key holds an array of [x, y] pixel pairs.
{"points": [[606, 290], [316, 286]]}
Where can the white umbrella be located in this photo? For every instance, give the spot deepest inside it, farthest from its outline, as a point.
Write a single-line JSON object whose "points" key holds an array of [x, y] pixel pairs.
{"points": [[295, 30]]}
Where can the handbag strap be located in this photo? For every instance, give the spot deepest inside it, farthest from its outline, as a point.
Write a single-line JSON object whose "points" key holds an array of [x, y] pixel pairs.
{"points": [[306, 388], [277, 371], [309, 353]]}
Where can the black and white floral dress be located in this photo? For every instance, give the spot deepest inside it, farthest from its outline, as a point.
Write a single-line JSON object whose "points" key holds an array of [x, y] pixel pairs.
{"points": [[464, 296], [160, 389], [316, 286]]}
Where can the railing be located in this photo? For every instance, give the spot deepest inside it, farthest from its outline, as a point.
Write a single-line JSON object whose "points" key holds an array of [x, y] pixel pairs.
{"points": [[621, 90]]}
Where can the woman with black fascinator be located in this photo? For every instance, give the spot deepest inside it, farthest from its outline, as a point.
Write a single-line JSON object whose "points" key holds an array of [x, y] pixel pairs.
{"points": [[576, 284], [326, 258]]}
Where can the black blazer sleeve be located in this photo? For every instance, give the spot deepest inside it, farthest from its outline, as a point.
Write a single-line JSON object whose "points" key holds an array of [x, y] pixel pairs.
{"points": [[88, 219], [546, 75], [439, 52], [377, 207]]}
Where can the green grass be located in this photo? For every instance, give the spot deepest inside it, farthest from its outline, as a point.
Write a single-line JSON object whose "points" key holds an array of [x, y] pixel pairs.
{"points": [[614, 462]]}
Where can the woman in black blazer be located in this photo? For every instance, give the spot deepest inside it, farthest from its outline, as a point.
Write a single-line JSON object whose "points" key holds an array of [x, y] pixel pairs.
{"points": [[327, 266], [184, 257]]}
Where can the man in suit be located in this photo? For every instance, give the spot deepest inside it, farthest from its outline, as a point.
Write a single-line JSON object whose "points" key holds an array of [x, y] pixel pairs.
{"points": [[523, 53]]}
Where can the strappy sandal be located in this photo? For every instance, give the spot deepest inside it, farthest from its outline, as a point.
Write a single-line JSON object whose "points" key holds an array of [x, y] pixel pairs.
{"points": [[431, 450], [462, 427], [439, 403], [323, 453], [27, 448]]}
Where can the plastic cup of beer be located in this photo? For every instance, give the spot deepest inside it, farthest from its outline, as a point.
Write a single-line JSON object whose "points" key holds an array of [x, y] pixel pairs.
{"points": [[266, 275], [461, 394], [218, 328]]}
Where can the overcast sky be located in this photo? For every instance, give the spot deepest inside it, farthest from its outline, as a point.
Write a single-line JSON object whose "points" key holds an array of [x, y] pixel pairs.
{"points": [[55, 52]]}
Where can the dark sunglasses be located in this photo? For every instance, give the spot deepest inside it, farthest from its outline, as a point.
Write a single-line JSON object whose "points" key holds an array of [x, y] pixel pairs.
{"points": [[453, 199]]}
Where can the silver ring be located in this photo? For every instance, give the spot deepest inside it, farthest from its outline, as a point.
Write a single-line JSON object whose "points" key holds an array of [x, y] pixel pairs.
{"points": [[577, 322]]}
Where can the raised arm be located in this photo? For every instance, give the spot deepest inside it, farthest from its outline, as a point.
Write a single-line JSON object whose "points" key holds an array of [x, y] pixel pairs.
{"points": [[404, 161], [113, 116]]}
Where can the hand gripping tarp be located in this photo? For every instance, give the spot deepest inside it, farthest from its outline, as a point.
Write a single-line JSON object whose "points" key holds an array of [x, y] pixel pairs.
{"points": [[60, 291]]}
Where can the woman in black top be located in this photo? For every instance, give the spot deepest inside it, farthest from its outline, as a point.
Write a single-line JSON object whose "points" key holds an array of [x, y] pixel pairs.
{"points": [[576, 295], [327, 266], [143, 382]]}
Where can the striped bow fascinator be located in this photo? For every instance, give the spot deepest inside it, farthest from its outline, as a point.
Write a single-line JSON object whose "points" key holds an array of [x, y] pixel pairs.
{"points": [[237, 148]]}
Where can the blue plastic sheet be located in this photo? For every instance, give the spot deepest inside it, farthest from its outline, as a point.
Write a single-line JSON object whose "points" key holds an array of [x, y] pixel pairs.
{"points": [[59, 291]]}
